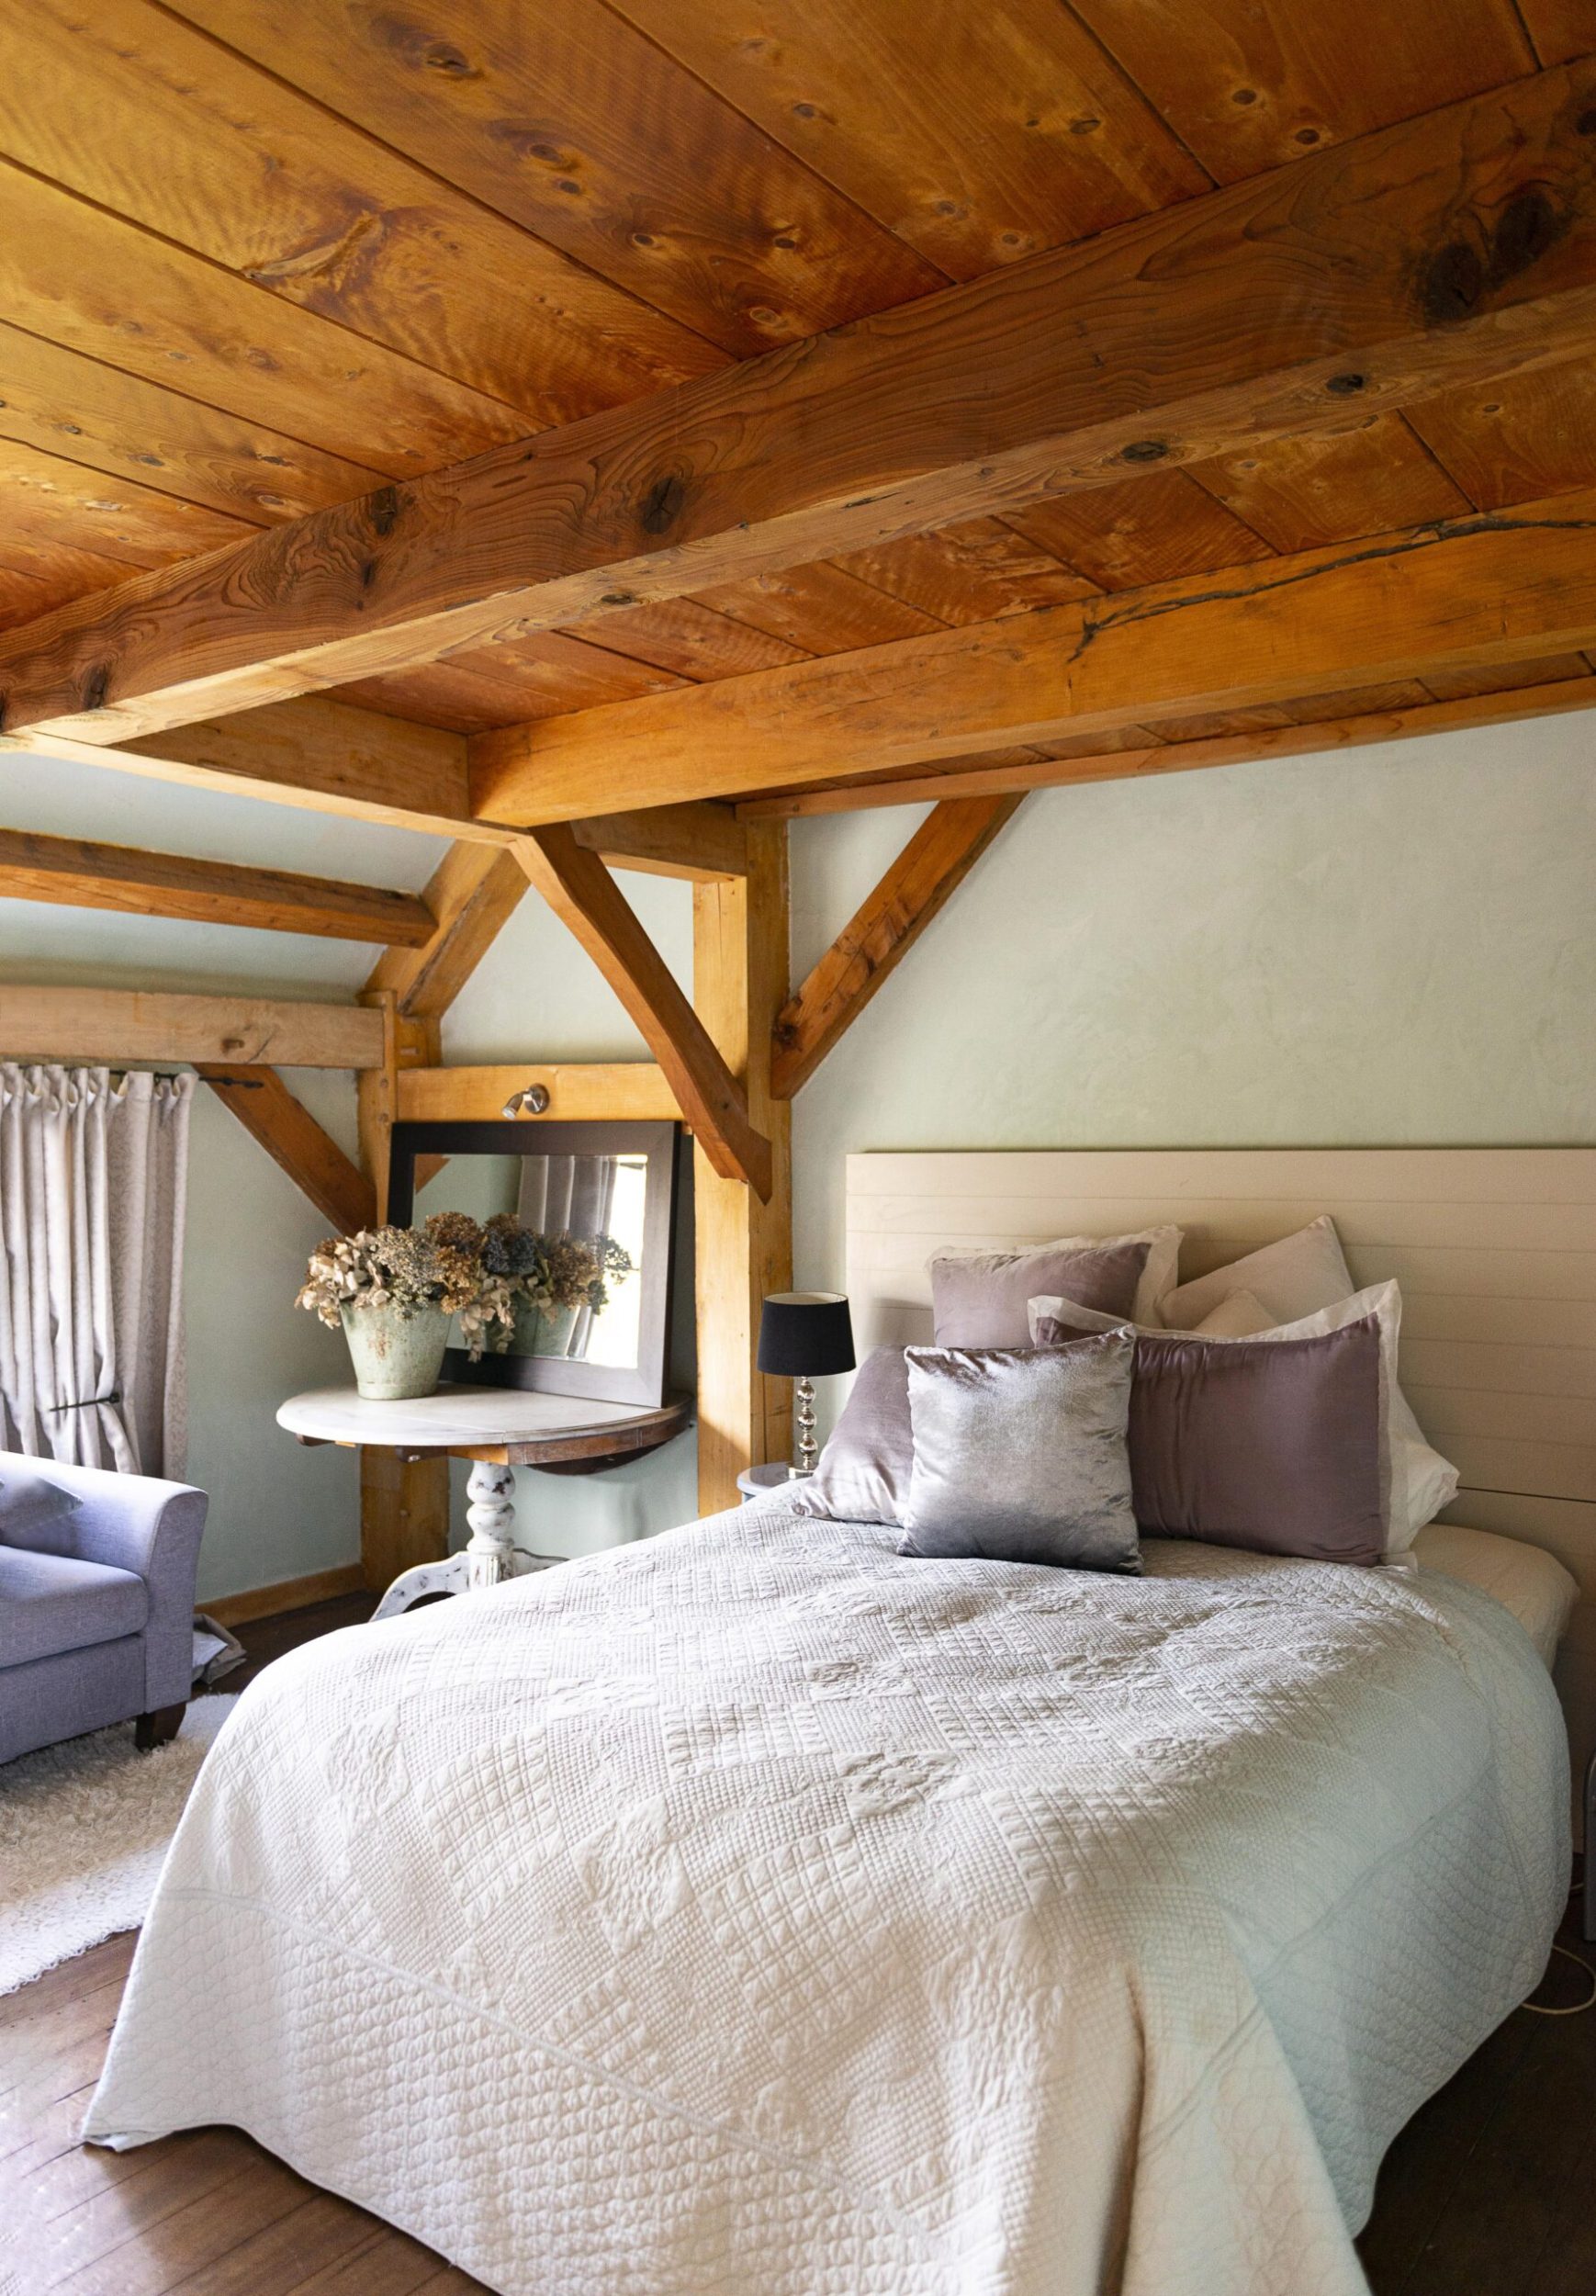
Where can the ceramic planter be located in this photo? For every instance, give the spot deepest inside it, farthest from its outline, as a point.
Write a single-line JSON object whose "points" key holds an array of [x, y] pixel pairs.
{"points": [[395, 1356], [542, 1329]]}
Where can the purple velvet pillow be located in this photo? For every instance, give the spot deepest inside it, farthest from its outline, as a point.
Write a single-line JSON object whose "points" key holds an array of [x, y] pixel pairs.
{"points": [[1276, 1446], [863, 1475], [983, 1299]]}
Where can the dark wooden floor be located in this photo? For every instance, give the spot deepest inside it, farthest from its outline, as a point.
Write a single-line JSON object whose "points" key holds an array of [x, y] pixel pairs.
{"points": [[1490, 2190]]}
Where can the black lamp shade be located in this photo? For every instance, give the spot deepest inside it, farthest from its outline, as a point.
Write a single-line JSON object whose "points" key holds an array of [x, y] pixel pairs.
{"points": [[805, 1334]]}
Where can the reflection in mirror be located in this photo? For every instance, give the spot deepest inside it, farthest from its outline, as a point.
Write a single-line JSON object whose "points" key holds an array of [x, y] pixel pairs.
{"points": [[567, 1232]]}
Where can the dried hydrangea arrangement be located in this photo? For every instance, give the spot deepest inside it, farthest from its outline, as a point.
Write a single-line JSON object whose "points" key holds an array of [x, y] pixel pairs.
{"points": [[440, 1265], [550, 1271]]}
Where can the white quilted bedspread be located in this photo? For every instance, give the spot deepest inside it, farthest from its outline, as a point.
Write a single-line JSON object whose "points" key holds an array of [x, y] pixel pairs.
{"points": [[754, 1913]]}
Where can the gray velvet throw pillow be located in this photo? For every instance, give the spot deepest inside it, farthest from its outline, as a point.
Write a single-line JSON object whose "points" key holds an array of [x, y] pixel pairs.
{"points": [[1019, 1454], [983, 1299], [863, 1474], [1276, 1446]]}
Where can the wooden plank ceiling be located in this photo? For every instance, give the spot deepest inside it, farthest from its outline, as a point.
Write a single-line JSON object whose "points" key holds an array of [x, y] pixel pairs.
{"points": [[258, 257]]}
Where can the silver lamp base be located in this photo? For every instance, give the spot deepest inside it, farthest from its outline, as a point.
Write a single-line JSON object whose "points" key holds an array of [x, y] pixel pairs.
{"points": [[804, 1448]]}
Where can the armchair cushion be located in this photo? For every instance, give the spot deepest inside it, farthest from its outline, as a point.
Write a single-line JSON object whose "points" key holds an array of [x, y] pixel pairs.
{"points": [[53, 1602], [31, 1507]]}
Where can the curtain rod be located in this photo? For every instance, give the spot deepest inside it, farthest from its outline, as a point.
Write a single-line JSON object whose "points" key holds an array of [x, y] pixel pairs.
{"points": [[206, 1076]]}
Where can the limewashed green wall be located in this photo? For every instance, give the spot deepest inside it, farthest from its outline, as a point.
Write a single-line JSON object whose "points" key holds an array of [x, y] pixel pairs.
{"points": [[1373, 948]]}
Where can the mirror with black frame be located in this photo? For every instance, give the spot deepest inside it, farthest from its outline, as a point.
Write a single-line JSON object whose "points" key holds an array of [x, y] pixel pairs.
{"points": [[580, 1220]]}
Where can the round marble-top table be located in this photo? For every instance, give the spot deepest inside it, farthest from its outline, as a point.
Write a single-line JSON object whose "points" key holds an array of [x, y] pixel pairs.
{"points": [[498, 1429]]}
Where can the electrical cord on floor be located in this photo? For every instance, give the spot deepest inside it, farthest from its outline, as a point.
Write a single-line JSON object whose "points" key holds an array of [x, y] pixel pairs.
{"points": [[1579, 2007]]}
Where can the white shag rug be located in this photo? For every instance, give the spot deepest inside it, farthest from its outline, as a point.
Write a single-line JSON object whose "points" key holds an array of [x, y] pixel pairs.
{"points": [[83, 1828]]}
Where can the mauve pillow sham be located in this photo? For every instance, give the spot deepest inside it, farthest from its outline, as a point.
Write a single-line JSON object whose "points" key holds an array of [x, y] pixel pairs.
{"points": [[1275, 1445], [1019, 1455], [982, 1299], [1306, 1274]]}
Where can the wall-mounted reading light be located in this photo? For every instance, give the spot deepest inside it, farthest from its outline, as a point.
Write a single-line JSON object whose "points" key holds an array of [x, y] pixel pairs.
{"points": [[534, 1101]]}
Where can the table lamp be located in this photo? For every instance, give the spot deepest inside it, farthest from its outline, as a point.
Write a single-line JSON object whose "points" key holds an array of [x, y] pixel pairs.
{"points": [[804, 1335]]}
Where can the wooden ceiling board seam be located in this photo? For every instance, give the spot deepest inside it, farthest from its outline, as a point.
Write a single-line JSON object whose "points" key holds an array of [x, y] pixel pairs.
{"points": [[57, 437], [34, 579], [1400, 416], [666, 634], [1292, 493], [855, 50], [1303, 77], [804, 606], [889, 567], [236, 123], [261, 377], [713, 356], [188, 251], [1137, 531], [1529, 436], [44, 494], [803, 255], [1559, 31]]}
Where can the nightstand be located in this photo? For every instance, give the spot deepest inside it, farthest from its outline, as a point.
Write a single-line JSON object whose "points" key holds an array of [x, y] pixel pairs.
{"points": [[754, 1481]]}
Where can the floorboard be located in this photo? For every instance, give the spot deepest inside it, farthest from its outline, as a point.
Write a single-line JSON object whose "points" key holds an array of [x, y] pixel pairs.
{"points": [[1486, 2192]]}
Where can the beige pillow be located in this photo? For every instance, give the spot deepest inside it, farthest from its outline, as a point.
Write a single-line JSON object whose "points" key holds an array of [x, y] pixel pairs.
{"points": [[1239, 1315], [1295, 1277]]}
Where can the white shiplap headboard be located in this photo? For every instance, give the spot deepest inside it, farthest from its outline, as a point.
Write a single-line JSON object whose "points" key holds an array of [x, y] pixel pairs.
{"points": [[1495, 1250]]}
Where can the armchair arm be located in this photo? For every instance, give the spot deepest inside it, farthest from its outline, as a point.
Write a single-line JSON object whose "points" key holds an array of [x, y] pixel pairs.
{"points": [[141, 1523]]}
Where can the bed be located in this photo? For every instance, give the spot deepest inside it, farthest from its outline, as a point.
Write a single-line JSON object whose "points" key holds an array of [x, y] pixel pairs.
{"points": [[758, 1909]]}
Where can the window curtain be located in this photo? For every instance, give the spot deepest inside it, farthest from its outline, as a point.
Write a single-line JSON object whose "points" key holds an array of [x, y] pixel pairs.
{"points": [[93, 1182], [568, 1196]]}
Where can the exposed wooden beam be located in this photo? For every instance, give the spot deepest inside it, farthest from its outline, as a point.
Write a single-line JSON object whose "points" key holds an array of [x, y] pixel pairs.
{"points": [[103, 1024], [743, 1246], [74, 874], [1015, 776], [293, 1139], [404, 1503], [581, 890], [697, 842], [1449, 248], [932, 865], [1498, 587], [473, 892], [321, 754], [612, 1092]]}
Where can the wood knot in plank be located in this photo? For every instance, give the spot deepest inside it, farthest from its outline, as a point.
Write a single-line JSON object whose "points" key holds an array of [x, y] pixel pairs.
{"points": [[1454, 279], [662, 504], [382, 510], [95, 686], [1452, 283]]}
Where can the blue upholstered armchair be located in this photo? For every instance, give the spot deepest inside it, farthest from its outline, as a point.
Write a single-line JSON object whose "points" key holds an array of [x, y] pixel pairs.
{"points": [[96, 1602]]}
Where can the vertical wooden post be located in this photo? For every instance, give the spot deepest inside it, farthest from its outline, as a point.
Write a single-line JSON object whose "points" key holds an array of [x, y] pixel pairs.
{"points": [[744, 1247], [404, 1503]]}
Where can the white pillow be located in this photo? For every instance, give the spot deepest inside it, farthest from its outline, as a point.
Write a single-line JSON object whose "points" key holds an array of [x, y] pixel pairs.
{"points": [[1239, 1315], [1295, 1277], [1158, 1270], [1422, 1481]]}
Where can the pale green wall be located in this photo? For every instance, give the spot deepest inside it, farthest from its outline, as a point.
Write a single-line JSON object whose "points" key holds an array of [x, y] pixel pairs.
{"points": [[1374, 947]]}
